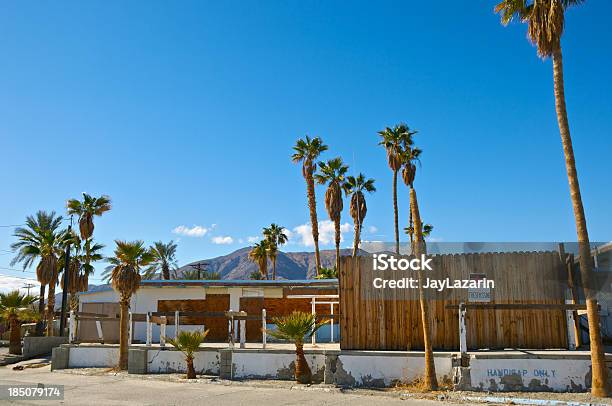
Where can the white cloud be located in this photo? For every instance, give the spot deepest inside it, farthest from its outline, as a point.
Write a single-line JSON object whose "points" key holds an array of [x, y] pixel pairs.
{"points": [[195, 231], [10, 283], [222, 240], [303, 233], [252, 239], [372, 229]]}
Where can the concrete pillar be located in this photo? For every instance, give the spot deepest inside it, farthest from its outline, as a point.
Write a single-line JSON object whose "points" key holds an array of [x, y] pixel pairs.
{"points": [[225, 364], [60, 357], [137, 360]]}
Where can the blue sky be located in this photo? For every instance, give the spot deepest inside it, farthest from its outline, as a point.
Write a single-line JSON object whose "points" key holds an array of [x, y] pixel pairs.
{"points": [[185, 114]]}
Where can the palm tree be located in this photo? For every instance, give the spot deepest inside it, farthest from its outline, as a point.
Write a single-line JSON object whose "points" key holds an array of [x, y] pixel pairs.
{"points": [[86, 210], [354, 187], [410, 157], [165, 260], [194, 274], [259, 255], [307, 151], [256, 276], [31, 243], [276, 237], [15, 308], [125, 267], [545, 21], [188, 343], [419, 248], [395, 140], [328, 273], [333, 173], [294, 327]]}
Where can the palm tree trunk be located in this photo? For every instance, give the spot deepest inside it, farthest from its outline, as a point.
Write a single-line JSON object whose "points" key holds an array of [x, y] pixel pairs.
{"points": [[395, 213], [274, 268], [337, 230], [50, 308], [302, 370], [357, 238], [15, 336], [312, 204], [599, 385], [431, 381], [165, 272], [191, 374], [40, 326], [123, 333]]}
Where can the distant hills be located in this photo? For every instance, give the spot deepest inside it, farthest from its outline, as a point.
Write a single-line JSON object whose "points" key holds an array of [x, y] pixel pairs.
{"points": [[289, 265]]}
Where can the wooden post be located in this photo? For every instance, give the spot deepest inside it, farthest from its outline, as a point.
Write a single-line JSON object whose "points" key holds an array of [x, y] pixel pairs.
{"points": [[149, 330], [568, 262], [231, 332], [130, 333], [313, 338], [462, 330], [71, 327], [331, 323], [99, 329], [162, 331], [264, 325], [242, 333], [177, 316], [571, 340]]}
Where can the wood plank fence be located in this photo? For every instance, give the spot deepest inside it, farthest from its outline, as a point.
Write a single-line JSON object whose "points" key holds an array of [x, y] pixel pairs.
{"points": [[371, 321]]}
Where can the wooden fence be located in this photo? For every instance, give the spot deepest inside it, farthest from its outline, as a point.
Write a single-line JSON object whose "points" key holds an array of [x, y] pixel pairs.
{"points": [[371, 321]]}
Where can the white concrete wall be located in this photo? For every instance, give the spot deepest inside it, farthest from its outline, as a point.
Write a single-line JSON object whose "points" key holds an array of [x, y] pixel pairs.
{"points": [[370, 368], [275, 365], [93, 357], [560, 375], [166, 361]]}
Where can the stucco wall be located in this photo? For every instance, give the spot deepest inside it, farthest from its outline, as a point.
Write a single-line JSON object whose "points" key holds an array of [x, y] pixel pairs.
{"points": [[274, 365], [170, 361], [560, 375], [379, 369], [93, 357]]}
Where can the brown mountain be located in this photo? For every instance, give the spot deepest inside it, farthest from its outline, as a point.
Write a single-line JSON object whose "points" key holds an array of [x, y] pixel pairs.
{"points": [[289, 265]]}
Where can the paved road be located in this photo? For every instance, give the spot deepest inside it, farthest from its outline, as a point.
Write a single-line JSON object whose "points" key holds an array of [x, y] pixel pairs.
{"points": [[123, 390]]}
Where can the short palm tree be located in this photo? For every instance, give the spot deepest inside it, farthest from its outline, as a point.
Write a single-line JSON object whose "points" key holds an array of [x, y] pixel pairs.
{"points": [[307, 151], [259, 255], [295, 327], [194, 274], [545, 23], [188, 343], [256, 276], [354, 187], [165, 260], [125, 267], [328, 273], [33, 245], [86, 210], [394, 140], [333, 173], [276, 237], [16, 308]]}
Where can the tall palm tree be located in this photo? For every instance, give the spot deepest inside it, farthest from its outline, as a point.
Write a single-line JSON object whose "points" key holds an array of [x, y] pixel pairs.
{"points": [[307, 152], [395, 140], [29, 247], [354, 187], [294, 327], [165, 260], [259, 255], [16, 308], [545, 22], [276, 237], [410, 157], [333, 174], [86, 210], [125, 267]]}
